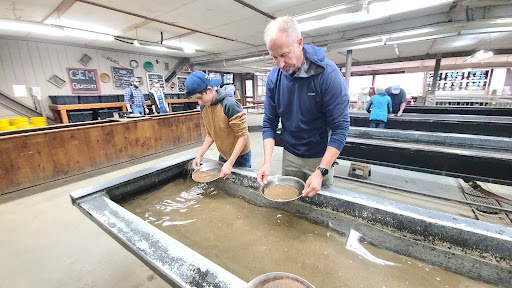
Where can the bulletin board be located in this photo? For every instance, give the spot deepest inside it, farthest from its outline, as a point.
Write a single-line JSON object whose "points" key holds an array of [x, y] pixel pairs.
{"points": [[155, 76], [181, 84], [121, 77]]}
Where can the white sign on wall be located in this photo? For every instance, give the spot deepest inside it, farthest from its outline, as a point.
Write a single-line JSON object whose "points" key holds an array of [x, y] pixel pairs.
{"points": [[19, 90]]}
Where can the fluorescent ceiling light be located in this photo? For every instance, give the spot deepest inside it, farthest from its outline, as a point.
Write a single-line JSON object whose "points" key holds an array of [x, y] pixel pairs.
{"points": [[187, 48], [334, 20], [480, 55], [150, 45], [411, 32], [32, 27], [319, 12], [400, 6], [352, 46], [88, 35], [374, 11], [463, 42], [373, 38], [430, 37], [502, 20], [487, 30], [82, 26], [398, 34], [161, 47]]}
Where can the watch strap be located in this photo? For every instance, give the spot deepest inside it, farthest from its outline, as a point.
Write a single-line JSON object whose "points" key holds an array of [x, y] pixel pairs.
{"points": [[324, 171]]}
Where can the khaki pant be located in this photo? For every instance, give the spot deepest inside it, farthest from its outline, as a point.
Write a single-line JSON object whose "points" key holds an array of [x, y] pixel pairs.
{"points": [[302, 168]]}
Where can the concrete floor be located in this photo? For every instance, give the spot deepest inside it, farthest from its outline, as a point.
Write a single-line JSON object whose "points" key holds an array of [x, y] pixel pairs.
{"points": [[46, 242]]}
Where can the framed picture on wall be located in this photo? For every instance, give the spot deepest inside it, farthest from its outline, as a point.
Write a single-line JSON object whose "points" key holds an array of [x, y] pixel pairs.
{"points": [[181, 84], [57, 81], [152, 77], [85, 60]]}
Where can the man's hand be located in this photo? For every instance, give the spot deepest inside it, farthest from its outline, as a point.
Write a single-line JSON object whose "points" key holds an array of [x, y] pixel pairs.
{"points": [[226, 170], [146, 109], [313, 184], [263, 174], [399, 113], [197, 162]]}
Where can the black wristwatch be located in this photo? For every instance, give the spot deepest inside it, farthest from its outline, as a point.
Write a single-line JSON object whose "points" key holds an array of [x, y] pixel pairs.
{"points": [[324, 171]]}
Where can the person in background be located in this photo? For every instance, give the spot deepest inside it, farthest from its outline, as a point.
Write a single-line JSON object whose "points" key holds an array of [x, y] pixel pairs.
{"points": [[379, 106], [134, 99], [225, 122], [308, 93], [157, 98], [398, 99]]}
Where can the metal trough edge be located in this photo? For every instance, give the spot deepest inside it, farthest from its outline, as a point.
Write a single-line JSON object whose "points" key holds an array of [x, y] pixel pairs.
{"points": [[438, 238], [174, 262]]}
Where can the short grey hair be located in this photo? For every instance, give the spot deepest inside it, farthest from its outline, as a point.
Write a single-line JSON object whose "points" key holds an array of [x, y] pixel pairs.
{"points": [[284, 24], [379, 90]]}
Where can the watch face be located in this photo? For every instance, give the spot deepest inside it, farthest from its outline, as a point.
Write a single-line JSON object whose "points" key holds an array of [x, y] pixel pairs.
{"points": [[324, 171], [134, 64]]}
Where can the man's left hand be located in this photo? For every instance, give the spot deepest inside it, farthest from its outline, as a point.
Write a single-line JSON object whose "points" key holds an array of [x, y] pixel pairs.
{"points": [[313, 184], [399, 113], [147, 111], [226, 170]]}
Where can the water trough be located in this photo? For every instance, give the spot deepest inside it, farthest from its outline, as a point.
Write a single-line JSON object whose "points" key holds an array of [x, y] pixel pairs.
{"points": [[468, 247]]}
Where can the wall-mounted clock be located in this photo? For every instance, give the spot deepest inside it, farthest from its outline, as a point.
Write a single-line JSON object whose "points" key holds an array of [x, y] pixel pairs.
{"points": [[134, 63]]}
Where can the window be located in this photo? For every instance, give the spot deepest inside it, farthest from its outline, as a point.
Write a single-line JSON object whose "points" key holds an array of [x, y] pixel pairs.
{"points": [[228, 78], [248, 88], [262, 86]]}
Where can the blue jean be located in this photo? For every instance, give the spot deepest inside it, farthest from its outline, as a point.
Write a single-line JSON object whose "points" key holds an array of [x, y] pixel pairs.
{"points": [[138, 110], [242, 160], [377, 124]]}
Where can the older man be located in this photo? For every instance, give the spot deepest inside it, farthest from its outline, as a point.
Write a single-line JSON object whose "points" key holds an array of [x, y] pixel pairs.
{"points": [[308, 93], [134, 99]]}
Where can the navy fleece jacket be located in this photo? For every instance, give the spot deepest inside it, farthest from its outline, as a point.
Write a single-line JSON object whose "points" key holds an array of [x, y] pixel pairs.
{"points": [[309, 106]]}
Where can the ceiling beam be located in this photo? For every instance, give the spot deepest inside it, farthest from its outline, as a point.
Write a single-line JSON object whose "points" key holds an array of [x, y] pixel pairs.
{"points": [[181, 35], [135, 26], [245, 4], [59, 11], [158, 20]]}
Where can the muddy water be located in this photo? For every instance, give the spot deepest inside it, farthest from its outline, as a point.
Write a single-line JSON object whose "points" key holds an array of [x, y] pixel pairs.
{"points": [[281, 192], [284, 283], [249, 241], [204, 176]]}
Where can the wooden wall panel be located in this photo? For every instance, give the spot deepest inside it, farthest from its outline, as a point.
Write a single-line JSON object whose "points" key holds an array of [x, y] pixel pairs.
{"points": [[31, 63], [34, 158]]}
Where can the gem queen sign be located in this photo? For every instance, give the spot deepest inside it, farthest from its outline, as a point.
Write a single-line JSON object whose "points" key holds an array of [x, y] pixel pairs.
{"points": [[84, 81]]}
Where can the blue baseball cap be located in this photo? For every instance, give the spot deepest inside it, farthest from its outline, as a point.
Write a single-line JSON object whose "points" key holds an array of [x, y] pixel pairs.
{"points": [[198, 81]]}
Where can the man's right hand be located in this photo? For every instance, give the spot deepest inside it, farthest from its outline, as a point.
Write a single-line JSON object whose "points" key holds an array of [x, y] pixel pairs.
{"points": [[197, 162], [263, 174]]}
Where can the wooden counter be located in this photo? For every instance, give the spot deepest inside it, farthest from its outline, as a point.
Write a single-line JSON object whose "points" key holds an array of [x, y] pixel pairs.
{"points": [[60, 111], [33, 158]]}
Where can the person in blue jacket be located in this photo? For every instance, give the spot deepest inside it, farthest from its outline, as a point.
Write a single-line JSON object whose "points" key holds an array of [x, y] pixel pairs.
{"points": [[307, 92], [379, 107]]}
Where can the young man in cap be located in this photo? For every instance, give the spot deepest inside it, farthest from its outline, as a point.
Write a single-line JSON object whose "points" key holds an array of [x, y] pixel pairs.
{"points": [[225, 122], [398, 99], [134, 99]]}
